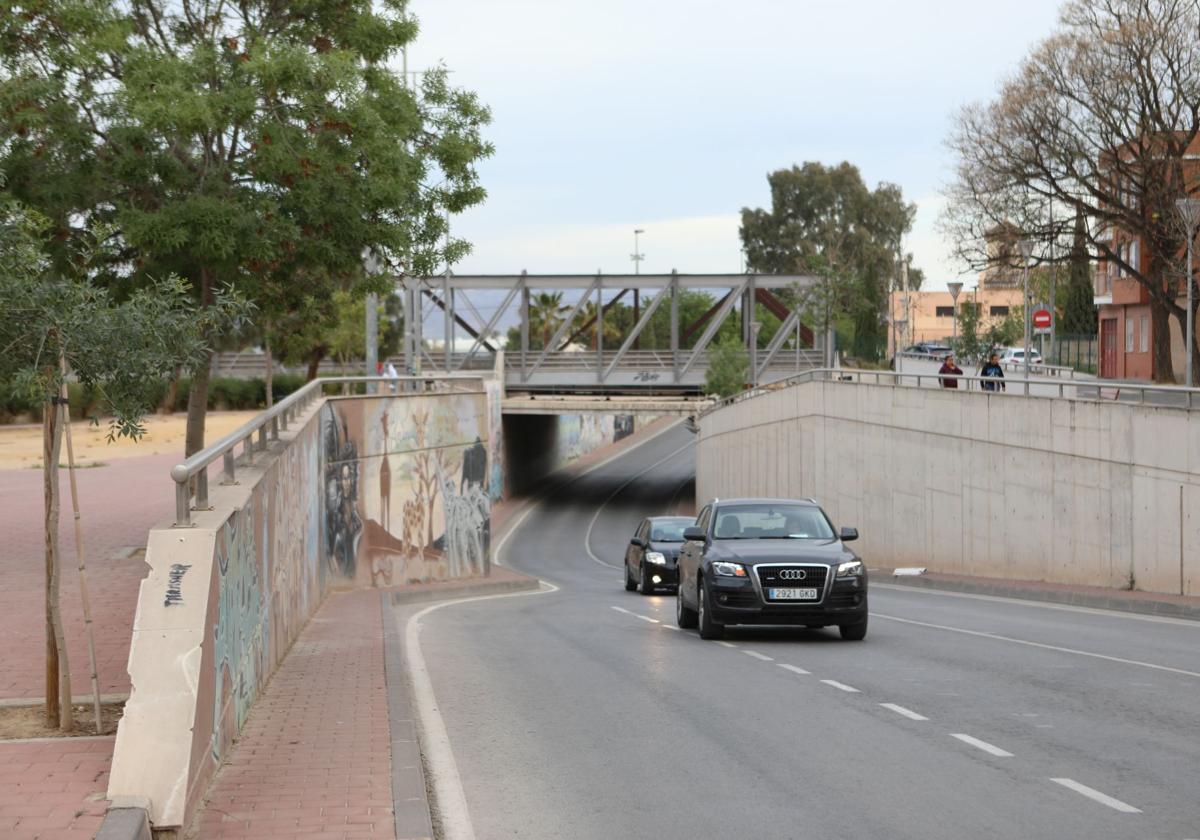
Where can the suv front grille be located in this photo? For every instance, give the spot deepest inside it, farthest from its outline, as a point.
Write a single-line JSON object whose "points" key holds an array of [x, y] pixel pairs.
{"points": [[773, 577]]}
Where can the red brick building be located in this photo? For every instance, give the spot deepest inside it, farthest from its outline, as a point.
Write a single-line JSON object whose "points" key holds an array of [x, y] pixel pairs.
{"points": [[1125, 325]]}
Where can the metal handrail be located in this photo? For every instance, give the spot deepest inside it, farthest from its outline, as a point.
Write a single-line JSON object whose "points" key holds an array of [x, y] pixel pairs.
{"points": [[268, 424], [1189, 397]]}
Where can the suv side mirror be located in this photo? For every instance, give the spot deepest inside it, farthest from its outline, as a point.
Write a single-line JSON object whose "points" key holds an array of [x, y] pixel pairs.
{"points": [[694, 534], [849, 534], [638, 541]]}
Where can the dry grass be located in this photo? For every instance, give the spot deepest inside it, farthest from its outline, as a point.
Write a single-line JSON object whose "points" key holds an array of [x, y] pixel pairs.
{"points": [[30, 722]]}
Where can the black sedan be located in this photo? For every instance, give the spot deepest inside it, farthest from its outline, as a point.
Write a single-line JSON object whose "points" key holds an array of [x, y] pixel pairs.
{"points": [[770, 561], [652, 554]]}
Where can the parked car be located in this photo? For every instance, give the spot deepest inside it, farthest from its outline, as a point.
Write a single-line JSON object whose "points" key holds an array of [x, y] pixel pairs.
{"points": [[931, 349], [653, 553], [1016, 356], [770, 561]]}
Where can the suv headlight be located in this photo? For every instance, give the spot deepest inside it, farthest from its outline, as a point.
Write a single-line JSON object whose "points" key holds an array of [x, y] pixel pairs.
{"points": [[723, 569], [656, 557], [851, 568]]}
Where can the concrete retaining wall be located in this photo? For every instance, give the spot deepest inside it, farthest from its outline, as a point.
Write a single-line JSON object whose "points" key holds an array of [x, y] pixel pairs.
{"points": [[1005, 486], [369, 491]]}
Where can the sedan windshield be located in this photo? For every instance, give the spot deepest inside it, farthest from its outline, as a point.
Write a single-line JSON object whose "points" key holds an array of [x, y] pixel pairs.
{"points": [[772, 522], [669, 530]]}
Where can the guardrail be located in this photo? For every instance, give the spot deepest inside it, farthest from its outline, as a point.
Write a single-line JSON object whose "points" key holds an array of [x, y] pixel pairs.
{"points": [[1041, 368], [191, 476], [1089, 390]]}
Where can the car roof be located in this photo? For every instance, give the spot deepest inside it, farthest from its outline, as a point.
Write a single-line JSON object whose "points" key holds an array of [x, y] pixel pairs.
{"points": [[752, 501], [669, 518]]}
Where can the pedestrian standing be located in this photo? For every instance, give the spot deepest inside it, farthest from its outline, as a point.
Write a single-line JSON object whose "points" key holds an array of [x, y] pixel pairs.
{"points": [[949, 372], [992, 374]]}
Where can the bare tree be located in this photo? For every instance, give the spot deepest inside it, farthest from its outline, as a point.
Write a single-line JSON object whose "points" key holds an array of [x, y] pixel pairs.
{"points": [[1098, 123]]}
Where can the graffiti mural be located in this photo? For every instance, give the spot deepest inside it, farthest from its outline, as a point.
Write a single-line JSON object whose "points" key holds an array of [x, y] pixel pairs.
{"points": [[495, 438], [343, 525], [240, 638], [408, 488]]}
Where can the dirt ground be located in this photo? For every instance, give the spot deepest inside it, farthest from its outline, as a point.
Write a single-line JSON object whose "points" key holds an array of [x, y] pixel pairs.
{"points": [[30, 722], [21, 446]]}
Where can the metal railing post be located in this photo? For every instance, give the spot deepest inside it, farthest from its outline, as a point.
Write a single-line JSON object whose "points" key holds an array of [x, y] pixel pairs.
{"points": [[183, 505], [202, 489], [262, 438], [248, 448], [228, 461]]}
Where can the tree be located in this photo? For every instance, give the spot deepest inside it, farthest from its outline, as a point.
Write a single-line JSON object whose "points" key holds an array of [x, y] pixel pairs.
{"points": [[51, 325], [546, 314], [969, 347], [825, 221], [236, 143], [1079, 308], [728, 369], [1097, 123]]}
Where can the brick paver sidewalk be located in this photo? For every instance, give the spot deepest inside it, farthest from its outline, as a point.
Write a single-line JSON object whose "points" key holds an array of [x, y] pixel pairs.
{"points": [[314, 759]]}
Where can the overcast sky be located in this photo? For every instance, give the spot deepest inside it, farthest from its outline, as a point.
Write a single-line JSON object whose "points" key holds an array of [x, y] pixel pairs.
{"points": [[667, 115]]}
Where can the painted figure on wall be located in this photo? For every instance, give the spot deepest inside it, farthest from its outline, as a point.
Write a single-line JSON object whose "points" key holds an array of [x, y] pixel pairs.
{"points": [[467, 518], [474, 469], [343, 525]]}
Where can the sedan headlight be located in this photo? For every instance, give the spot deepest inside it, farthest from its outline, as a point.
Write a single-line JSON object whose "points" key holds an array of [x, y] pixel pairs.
{"points": [[851, 568], [656, 557], [723, 569]]}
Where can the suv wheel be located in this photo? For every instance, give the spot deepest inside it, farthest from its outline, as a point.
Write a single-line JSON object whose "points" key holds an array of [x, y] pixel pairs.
{"points": [[630, 583], [709, 629], [685, 616], [854, 632]]}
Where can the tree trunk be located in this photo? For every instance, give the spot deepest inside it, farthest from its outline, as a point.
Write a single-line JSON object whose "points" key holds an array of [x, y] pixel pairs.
{"points": [[314, 363], [1181, 319], [58, 671], [1163, 366], [168, 404], [270, 365], [198, 397]]}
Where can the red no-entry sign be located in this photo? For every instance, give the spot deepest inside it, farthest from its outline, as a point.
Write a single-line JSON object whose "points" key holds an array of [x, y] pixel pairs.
{"points": [[1042, 319]]}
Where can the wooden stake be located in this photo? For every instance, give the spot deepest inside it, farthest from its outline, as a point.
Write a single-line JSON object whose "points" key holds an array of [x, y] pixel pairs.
{"points": [[83, 587]]}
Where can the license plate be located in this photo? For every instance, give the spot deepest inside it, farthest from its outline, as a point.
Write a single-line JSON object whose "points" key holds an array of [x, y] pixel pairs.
{"points": [[792, 594]]}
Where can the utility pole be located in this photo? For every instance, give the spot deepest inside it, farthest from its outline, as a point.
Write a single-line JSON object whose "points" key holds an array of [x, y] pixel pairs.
{"points": [[637, 256], [1026, 246], [1189, 209]]}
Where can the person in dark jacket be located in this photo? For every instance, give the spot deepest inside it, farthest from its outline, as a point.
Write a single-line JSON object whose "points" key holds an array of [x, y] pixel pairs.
{"points": [[949, 373], [992, 371]]}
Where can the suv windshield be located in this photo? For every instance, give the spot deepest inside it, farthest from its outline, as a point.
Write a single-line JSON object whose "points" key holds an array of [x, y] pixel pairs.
{"points": [[670, 530], [772, 522]]}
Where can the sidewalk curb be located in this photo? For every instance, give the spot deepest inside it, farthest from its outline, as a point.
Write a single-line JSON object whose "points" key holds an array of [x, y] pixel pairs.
{"points": [[1031, 592], [464, 589]]}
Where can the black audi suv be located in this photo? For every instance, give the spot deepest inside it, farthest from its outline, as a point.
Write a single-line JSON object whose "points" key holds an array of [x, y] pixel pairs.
{"points": [[652, 553], [770, 561]]}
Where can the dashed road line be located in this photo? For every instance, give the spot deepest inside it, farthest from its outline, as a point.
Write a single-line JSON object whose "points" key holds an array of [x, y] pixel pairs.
{"points": [[793, 668], [841, 686], [646, 618], [623, 610], [999, 638], [1097, 796], [666, 626], [727, 644], [758, 655], [982, 745], [900, 710]]}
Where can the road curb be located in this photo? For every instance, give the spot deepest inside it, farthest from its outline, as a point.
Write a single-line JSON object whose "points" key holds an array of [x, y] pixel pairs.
{"points": [[513, 582], [1116, 600]]}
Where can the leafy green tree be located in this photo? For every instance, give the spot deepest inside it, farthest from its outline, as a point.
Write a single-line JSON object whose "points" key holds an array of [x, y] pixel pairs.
{"points": [[728, 369], [53, 325], [1079, 308], [826, 222], [253, 143], [546, 314]]}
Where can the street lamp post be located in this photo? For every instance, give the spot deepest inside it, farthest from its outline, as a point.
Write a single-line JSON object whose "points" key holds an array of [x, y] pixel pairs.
{"points": [[637, 256], [1026, 246], [1189, 209], [955, 289]]}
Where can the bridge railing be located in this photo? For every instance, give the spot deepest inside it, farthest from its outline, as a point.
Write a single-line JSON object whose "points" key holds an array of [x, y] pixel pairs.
{"points": [[1088, 390], [254, 436]]}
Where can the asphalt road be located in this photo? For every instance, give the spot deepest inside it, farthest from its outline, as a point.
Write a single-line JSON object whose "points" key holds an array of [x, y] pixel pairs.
{"points": [[584, 712]]}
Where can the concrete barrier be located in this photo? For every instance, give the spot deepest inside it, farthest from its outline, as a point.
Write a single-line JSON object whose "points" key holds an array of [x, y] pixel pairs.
{"points": [[361, 491], [1003, 486]]}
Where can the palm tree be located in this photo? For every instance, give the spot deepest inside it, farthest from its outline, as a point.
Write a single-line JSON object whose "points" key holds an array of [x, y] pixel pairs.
{"points": [[613, 334], [546, 314]]}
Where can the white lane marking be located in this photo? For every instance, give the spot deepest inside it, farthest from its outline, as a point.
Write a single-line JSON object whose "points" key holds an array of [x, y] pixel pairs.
{"points": [[841, 686], [587, 537], [622, 610], [1043, 605], [669, 626], [758, 655], [983, 745], [646, 618], [1102, 798], [1073, 651], [435, 741], [793, 669], [727, 644], [900, 710]]}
